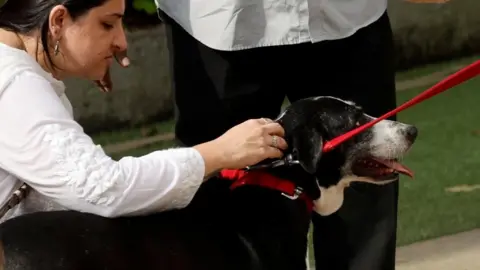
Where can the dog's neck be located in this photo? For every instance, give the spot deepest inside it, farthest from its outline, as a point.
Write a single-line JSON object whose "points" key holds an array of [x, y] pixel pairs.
{"points": [[276, 223], [327, 193], [328, 197]]}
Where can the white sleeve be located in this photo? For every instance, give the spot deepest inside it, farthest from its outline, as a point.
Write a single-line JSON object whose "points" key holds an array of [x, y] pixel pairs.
{"points": [[42, 145]]}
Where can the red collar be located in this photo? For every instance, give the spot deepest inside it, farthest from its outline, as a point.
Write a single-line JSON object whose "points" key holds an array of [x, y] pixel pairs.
{"points": [[263, 179]]}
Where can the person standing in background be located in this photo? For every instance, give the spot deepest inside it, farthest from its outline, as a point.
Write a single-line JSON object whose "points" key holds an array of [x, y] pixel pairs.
{"points": [[233, 60]]}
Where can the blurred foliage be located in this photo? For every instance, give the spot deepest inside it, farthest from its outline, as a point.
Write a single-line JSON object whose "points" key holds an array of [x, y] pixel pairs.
{"points": [[147, 6], [141, 14]]}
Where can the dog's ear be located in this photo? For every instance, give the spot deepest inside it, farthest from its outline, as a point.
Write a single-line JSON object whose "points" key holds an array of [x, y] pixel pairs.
{"points": [[307, 147]]}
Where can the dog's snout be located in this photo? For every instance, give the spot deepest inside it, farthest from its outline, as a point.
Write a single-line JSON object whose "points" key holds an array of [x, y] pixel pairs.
{"points": [[411, 133]]}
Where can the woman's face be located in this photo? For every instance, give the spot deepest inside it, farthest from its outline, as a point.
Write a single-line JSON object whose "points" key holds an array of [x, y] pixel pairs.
{"points": [[87, 45]]}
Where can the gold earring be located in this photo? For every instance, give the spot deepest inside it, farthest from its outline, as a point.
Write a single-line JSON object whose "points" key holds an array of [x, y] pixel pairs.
{"points": [[57, 48]]}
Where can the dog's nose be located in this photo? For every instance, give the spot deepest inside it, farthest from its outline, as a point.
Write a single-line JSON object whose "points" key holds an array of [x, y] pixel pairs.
{"points": [[411, 133]]}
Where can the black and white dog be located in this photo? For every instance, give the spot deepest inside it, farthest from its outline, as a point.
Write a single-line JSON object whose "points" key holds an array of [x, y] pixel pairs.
{"points": [[250, 227]]}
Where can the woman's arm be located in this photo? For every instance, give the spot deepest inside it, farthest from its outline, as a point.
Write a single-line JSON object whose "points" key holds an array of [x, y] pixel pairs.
{"points": [[42, 145]]}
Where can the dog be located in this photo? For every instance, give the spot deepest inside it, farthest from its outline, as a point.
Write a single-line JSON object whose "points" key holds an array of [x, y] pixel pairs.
{"points": [[248, 227]]}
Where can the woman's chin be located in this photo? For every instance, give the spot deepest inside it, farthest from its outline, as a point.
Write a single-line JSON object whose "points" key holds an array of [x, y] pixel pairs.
{"points": [[96, 74]]}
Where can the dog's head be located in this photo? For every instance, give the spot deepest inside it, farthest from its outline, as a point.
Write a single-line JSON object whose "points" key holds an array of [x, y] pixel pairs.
{"points": [[371, 156]]}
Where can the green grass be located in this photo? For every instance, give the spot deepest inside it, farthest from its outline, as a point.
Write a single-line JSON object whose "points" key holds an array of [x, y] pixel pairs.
{"points": [[447, 153]]}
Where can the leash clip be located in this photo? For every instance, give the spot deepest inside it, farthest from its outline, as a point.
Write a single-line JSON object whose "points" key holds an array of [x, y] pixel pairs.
{"points": [[296, 193], [289, 161], [286, 161]]}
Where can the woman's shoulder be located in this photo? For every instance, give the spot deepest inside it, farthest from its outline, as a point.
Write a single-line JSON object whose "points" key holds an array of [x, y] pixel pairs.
{"points": [[14, 62], [17, 63]]}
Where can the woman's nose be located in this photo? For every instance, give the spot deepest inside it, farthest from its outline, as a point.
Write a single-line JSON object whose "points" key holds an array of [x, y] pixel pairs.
{"points": [[120, 42]]}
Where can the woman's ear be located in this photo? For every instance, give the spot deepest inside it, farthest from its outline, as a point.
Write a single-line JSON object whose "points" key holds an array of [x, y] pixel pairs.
{"points": [[58, 19]]}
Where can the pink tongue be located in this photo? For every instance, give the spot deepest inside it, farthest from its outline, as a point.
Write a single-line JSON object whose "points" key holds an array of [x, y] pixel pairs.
{"points": [[396, 166]]}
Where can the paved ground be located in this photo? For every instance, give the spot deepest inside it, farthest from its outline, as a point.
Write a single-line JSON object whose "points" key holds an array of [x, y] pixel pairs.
{"points": [[455, 252]]}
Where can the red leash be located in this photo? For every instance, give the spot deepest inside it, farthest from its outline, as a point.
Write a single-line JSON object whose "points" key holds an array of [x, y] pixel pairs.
{"points": [[460, 76]]}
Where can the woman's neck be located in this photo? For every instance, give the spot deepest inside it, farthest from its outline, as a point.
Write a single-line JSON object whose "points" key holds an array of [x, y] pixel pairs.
{"points": [[31, 46]]}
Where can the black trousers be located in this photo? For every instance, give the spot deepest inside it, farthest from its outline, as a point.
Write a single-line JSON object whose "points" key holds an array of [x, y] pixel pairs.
{"points": [[214, 90]]}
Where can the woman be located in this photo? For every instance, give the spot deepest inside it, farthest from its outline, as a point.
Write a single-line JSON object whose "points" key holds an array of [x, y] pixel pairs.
{"points": [[41, 43]]}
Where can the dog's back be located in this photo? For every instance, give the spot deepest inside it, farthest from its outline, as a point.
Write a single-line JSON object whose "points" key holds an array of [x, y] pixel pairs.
{"points": [[174, 240]]}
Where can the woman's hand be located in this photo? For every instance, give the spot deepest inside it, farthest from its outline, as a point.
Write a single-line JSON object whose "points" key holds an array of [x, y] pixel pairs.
{"points": [[251, 142], [105, 84], [243, 145]]}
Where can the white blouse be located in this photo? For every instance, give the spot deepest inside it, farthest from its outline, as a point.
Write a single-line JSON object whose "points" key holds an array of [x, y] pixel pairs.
{"points": [[42, 145]]}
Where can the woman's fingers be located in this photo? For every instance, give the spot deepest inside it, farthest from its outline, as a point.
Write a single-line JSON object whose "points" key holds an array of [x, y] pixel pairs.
{"points": [[273, 134], [277, 142], [122, 58], [273, 129], [272, 152], [266, 120]]}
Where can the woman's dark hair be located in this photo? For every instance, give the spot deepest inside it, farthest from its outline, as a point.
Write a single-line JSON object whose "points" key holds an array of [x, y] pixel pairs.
{"points": [[26, 16]]}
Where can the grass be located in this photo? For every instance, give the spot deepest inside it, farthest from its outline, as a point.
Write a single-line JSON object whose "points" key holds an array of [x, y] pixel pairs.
{"points": [[446, 154]]}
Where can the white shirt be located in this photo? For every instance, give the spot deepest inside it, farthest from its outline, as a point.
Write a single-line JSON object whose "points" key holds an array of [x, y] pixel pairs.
{"points": [[242, 24], [42, 145]]}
